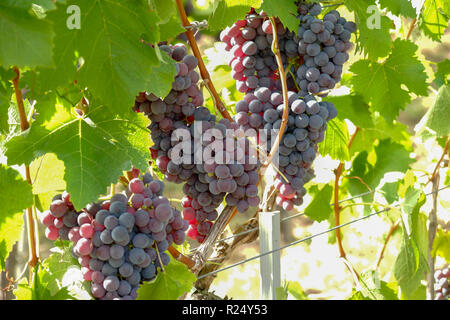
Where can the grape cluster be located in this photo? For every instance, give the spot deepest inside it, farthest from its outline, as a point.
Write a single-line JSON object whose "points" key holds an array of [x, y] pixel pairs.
{"points": [[252, 61], [442, 284], [61, 217], [121, 242], [313, 59], [206, 183], [177, 107], [323, 45], [306, 125]]}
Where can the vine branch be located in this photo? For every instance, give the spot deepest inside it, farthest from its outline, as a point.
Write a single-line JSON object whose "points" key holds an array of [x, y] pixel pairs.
{"points": [[24, 125], [388, 237], [432, 227], [337, 208], [436, 168], [284, 119], [201, 65]]}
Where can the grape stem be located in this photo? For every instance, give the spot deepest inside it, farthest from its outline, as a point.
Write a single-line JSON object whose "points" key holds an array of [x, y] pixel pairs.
{"points": [[337, 208], [201, 65], [432, 227], [24, 125], [181, 257], [438, 164], [388, 237], [282, 74]]}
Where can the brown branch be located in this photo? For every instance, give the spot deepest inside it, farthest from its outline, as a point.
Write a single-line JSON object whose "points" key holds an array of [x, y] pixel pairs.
{"points": [[201, 65], [432, 227], [411, 27], [436, 168], [284, 119], [24, 125], [337, 208], [388, 237]]}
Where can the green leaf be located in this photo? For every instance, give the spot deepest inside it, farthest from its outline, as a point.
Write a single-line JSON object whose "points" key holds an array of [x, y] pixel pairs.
{"points": [[389, 190], [285, 10], [441, 245], [319, 209], [25, 40], [15, 197], [442, 73], [357, 295], [354, 108], [95, 149], [390, 156], [6, 91], [367, 136], [116, 63], [375, 41], [375, 289], [226, 12], [168, 285], [409, 267], [412, 263], [336, 139], [39, 289], [47, 174], [55, 268], [381, 83], [434, 18], [399, 7], [436, 119], [281, 293], [296, 290], [170, 24]]}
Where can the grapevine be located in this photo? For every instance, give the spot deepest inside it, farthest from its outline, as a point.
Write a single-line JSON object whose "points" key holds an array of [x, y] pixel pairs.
{"points": [[142, 141]]}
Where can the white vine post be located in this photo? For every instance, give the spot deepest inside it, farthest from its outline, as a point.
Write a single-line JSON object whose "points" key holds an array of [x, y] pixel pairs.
{"points": [[269, 239]]}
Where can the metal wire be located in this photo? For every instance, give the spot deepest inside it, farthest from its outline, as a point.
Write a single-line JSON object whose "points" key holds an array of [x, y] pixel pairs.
{"points": [[284, 219], [309, 237]]}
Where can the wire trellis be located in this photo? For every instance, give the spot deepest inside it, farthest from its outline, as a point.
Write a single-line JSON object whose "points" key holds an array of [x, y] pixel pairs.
{"points": [[287, 218], [306, 238]]}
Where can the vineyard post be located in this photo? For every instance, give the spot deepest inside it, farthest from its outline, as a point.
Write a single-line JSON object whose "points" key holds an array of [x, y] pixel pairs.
{"points": [[269, 240]]}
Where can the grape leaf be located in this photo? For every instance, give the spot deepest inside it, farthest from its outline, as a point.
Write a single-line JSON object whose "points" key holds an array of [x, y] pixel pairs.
{"points": [[381, 83], [170, 24], [295, 289], [47, 174], [441, 76], [367, 136], [55, 268], [6, 91], [39, 289], [226, 12], [25, 40], [285, 10], [319, 209], [410, 266], [354, 108], [116, 63], [434, 17], [374, 288], [437, 121], [15, 197], [357, 295], [389, 191], [374, 40], [399, 7], [390, 156], [168, 285], [441, 245], [95, 149], [336, 140]]}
